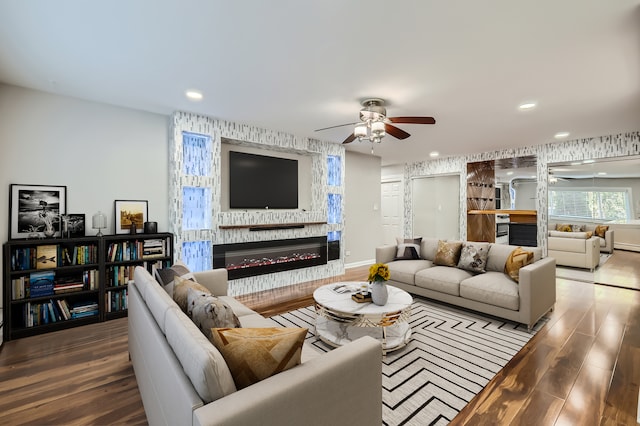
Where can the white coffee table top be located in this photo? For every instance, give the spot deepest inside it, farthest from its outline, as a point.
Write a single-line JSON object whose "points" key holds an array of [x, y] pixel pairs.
{"points": [[330, 297]]}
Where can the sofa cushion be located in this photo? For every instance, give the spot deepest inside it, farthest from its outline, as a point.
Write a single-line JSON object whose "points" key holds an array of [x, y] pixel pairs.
{"points": [[181, 291], [577, 235], [516, 260], [404, 270], [238, 308], [493, 288], [429, 248], [444, 279], [601, 230], [408, 248], [574, 245], [498, 254], [207, 312], [253, 354], [473, 256], [158, 302], [448, 253], [202, 363]]}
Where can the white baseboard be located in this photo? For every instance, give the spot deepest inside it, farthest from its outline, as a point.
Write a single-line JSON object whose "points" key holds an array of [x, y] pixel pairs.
{"points": [[358, 264]]}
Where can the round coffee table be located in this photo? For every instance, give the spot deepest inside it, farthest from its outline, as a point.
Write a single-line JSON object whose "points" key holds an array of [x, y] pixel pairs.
{"points": [[340, 319]]}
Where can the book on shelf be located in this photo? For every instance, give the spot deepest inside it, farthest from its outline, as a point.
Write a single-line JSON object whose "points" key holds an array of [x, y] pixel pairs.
{"points": [[20, 288], [41, 283], [46, 256]]}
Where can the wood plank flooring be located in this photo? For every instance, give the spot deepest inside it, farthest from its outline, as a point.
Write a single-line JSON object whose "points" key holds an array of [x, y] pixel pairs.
{"points": [[582, 368]]}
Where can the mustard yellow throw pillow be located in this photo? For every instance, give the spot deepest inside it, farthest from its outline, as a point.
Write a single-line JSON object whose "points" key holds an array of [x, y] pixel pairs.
{"points": [[516, 260], [253, 354], [448, 253], [181, 288], [601, 230], [563, 227]]}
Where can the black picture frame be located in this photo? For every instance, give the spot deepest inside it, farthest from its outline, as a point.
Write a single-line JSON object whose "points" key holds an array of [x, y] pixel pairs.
{"points": [[128, 211], [76, 225], [34, 210]]}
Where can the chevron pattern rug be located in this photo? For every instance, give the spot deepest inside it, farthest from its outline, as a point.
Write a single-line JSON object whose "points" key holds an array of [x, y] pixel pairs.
{"points": [[451, 357]]}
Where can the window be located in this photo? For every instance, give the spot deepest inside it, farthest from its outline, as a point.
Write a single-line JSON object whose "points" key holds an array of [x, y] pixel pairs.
{"points": [[590, 203]]}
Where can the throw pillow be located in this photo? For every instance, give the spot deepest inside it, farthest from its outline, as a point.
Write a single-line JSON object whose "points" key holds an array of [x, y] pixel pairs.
{"points": [[448, 253], [408, 248], [578, 228], [253, 354], [601, 230], [589, 234], [181, 291], [207, 312], [473, 257], [516, 260], [166, 276], [563, 227]]}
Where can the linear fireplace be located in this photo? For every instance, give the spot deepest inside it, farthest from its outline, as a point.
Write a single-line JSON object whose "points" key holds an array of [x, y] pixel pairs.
{"points": [[264, 257]]}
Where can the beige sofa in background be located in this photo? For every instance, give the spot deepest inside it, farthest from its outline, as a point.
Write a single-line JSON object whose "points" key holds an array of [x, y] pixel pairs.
{"points": [[605, 245], [492, 292], [575, 249]]}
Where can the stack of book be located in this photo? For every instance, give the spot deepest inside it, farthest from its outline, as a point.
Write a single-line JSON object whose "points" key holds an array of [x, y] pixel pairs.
{"points": [[84, 309], [153, 248]]}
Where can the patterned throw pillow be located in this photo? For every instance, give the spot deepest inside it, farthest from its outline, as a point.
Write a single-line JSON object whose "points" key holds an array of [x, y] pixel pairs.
{"points": [[473, 257], [408, 248], [448, 253], [207, 312], [601, 230], [563, 227], [253, 354], [578, 228], [181, 291], [166, 276], [516, 260]]}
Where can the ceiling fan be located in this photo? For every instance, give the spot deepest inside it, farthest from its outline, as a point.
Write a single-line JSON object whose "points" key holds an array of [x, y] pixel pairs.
{"points": [[374, 123]]}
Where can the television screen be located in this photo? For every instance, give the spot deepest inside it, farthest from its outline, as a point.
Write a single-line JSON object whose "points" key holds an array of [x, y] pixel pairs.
{"points": [[262, 182]]}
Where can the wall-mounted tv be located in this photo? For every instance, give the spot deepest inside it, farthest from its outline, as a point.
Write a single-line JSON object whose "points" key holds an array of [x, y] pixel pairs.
{"points": [[262, 182]]}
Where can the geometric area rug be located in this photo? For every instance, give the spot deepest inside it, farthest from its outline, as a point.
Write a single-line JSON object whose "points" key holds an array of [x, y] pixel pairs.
{"points": [[451, 357]]}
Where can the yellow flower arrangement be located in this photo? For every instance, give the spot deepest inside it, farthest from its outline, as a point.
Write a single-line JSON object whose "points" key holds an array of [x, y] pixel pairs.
{"points": [[379, 272]]}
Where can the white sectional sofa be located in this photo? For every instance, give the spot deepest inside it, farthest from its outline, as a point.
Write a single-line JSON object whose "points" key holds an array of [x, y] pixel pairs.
{"points": [[184, 380], [492, 292]]}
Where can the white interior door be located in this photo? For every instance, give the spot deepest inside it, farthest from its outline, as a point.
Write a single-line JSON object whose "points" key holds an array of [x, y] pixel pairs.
{"points": [[392, 211]]}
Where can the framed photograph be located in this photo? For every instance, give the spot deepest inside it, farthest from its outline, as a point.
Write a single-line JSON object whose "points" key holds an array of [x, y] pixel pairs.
{"points": [[130, 213], [75, 225], [34, 210]]}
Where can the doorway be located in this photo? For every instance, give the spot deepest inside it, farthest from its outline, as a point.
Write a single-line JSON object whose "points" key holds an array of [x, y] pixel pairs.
{"points": [[392, 201]]}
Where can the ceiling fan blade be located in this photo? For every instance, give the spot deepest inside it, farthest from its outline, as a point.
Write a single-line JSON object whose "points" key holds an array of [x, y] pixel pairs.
{"points": [[350, 139], [333, 127], [395, 132], [413, 120]]}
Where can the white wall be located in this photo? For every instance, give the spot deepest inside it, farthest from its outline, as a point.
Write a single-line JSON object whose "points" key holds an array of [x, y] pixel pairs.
{"points": [[99, 152], [362, 216], [436, 206]]}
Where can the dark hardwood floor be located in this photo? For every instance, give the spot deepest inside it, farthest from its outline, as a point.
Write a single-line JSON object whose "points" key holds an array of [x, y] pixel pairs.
{"points": [[582, 368]]}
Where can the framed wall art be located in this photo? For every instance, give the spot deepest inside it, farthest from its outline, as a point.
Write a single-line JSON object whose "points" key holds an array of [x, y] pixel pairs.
{"points": [[34, 210], [75, 225], [129, 213]]}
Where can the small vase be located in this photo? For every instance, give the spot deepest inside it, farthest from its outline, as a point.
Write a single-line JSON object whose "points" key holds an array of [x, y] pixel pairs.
{"points": [[379, 294]]}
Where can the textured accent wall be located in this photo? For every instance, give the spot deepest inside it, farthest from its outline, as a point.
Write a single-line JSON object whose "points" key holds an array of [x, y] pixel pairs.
{"points": [[252, 136], [619, 145]]}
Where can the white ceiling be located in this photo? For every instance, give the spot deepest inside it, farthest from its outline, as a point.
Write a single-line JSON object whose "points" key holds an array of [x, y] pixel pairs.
{"points": [[296, 66]]}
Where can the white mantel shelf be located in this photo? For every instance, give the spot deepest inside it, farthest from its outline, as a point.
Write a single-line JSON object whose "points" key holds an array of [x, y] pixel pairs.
{"points": [[272, 225]]}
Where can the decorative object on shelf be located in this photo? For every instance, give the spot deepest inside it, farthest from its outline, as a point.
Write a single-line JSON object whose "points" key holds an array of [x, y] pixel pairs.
{"points": [[99, 222], [128, 213], [36, 209], [378, 275], [132, 228], [150, 227]]}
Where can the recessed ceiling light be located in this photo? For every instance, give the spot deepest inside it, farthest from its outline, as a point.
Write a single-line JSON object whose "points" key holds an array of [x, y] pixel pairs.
{"points": [[602, 173], [527, 105], [588, 161], [509, 173], [193, 95], [434, 154], [561, 135]]}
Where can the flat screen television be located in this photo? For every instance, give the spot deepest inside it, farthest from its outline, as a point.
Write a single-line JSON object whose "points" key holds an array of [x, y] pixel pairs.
{"points": [[262, 182]]}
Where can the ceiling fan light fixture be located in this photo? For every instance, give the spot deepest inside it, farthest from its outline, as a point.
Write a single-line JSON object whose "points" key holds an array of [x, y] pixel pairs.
{"points": [[360, 131], [377, 128]]}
